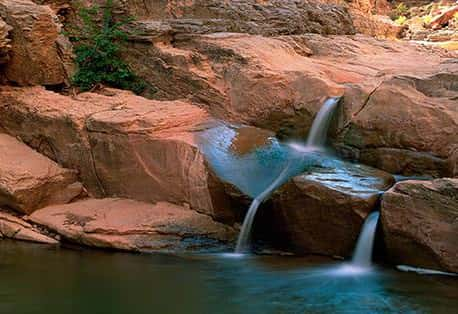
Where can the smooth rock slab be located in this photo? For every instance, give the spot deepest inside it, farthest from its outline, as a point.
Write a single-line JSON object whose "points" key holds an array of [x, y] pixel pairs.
{"points": [[121, 144], [420, 223], [322, 211], [15, 228], [134, 226], [29, 181]]}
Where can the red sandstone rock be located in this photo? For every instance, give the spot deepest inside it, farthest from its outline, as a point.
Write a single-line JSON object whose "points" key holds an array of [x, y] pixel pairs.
{"points": [[5, 41], [322, 211], [419, 220], [15, 228], [280, 83], [121, 144], [39, 54], [134, 226], [29, 180]]}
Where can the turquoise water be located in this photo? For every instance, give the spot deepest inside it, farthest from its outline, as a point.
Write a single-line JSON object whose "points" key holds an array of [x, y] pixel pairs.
{"points": [[37, 279]]}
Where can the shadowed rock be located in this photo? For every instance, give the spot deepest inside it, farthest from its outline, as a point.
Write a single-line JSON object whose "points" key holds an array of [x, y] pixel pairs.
{"points": [[134, 226], [12, 227], [420, 223], [322, 210]]}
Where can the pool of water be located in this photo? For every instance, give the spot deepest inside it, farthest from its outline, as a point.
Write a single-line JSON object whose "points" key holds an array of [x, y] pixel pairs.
{"points": [[39, 279]]}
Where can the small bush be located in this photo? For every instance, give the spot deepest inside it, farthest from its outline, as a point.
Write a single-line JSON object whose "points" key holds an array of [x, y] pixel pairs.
{"points": [[98, 46], [401, 20], [427, 19], [400, 10]]}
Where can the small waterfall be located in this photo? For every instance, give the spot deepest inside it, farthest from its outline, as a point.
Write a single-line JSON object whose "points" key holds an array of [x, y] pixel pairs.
{"points": [[363, 252], [244, 237], [316, 138], [319, 130]]}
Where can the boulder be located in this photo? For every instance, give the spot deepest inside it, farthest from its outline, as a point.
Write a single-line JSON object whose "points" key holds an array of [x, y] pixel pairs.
{"points": [[40, 54], [12, 227], [134, 226], [322, 211], [121, 144], [29, 181], [426, 109], [419, 220]]}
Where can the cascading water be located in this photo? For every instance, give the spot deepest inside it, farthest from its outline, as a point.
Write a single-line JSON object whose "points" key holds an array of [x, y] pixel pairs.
{"points": [[319, 130], [244, 237], [362, 257], [316, 139], [363, 252]]}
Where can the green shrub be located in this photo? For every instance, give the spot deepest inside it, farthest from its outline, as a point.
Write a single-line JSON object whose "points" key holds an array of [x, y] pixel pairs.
{"points": [[400, 10], [98, 45], [401, 20]]}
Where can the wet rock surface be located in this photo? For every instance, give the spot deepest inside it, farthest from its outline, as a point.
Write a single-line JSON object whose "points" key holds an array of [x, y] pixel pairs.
{"points": [[134, 226], [29, 181], [323, 209], [419, 220]]}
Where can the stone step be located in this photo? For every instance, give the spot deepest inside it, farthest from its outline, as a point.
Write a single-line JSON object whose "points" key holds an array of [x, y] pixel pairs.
{"points": [[12, 227], [29, 180], [134, 226]]}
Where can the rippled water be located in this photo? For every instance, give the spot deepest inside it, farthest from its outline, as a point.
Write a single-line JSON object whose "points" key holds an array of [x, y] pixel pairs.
{"points": [[37, 279]]}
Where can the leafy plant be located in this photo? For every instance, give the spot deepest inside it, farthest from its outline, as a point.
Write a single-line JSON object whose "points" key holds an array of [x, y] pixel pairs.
{"points": [[400, 10], [427, 19], [98, 46], [401, 20]]}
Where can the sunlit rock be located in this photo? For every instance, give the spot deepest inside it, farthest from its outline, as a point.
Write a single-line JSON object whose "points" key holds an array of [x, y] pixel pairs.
{"points": [[29, 181]]}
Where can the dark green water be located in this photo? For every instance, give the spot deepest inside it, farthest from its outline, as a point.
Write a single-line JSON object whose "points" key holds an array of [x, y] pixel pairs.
{"points": [[41, 280]]}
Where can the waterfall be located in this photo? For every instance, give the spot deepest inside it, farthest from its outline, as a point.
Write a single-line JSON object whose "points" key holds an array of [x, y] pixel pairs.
{"points": [[244, 237], [316, 138], [363, 252], [319, 130]]}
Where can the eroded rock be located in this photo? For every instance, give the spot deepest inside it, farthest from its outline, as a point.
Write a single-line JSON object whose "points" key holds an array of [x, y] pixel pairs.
{"points": [[40, 54], [12, 227], [280, 83], [420, 223], [29, 181], [5, 41], [134, 226]]}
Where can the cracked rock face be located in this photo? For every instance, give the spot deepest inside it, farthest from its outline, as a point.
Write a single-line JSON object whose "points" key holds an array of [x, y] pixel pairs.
{"points": [[121, 144], [134, 226], [39, 54], [420, 223]]}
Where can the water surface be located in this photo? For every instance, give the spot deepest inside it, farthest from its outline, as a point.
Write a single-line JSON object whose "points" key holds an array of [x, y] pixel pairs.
{"points": [[37, 279]]}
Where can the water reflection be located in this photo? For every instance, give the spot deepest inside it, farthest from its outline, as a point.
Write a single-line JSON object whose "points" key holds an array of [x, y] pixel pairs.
{"points": [[37, 280]]}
